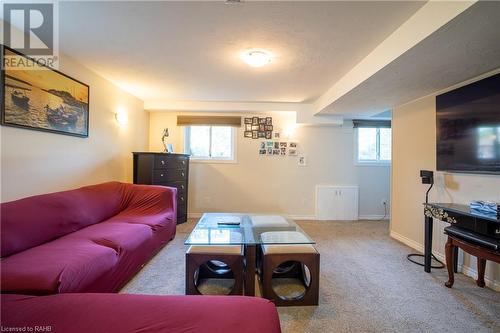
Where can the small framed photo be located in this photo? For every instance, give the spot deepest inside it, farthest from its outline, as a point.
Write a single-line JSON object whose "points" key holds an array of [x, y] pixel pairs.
{"points": [[269, 127], [269, 144], [283, 144], [262, 128], [276, 135], [170, 148], [263, 145], [248, 134], [261, 135], [269, 134], [255, 135], [248, 121], [283, 151], [293, 144], [248, 127], [262, 121], [255, 120], [255, 127], [262, 151], [269, 120], [276, 151], [292, 152], [276, 145], [269, 151]]}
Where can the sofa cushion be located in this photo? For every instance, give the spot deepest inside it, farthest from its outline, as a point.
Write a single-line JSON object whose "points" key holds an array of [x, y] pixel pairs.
{"points": [[121, 237], [32, 221], [63, 265], [141, 313]]}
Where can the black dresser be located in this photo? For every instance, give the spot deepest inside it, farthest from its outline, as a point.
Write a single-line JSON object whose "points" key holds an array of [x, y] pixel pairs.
{"points": [[167, 170]]}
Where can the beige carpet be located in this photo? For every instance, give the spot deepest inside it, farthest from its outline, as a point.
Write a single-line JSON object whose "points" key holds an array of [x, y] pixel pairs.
{"points": [[366, 285]]}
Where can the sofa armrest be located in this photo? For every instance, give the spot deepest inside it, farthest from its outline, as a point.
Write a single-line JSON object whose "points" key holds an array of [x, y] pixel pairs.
{"points": [[150, 199]]}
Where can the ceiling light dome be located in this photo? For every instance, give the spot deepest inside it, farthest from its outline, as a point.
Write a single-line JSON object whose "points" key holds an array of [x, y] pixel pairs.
{"points": [[256, 58]]}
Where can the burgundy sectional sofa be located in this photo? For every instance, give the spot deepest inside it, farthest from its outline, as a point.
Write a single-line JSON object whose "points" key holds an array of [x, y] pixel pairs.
{"points": [[121, 313], [80, 244], [92, 239]]}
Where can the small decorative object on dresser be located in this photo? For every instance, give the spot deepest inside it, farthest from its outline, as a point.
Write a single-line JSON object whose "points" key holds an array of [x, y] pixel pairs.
{"points": [[167, 170]]}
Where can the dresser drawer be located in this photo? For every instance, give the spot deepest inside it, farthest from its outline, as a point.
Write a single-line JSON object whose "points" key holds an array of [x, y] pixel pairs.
{"points": [[181, 198], [160, 176], [167, 162], [179, 185]]}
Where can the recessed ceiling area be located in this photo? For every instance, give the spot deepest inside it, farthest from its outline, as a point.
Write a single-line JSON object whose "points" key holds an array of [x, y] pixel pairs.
{"points": [[464, 48], [161, 51]]}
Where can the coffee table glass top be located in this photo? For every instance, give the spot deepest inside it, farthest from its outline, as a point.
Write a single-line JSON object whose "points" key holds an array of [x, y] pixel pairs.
{"points": [[223, 229]]}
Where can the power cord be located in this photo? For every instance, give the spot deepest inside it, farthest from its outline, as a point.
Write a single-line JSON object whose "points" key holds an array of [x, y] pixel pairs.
{"points": [[385, 212]]}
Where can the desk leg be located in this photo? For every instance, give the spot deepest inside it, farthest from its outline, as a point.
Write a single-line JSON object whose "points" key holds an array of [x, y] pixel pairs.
{"points": [[455, 259], [250, 270], [428, 244]]}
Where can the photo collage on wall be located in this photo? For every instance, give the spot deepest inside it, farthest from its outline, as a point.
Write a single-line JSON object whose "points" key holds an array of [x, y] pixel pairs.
{"points": [[278, 148], [259, 128]]}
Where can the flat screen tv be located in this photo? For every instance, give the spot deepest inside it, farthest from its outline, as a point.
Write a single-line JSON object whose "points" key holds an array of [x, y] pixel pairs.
{"points": [[468, 128]]}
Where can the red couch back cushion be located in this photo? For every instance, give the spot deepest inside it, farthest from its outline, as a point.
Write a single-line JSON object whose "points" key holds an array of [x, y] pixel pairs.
{"points": [[32, 221]]}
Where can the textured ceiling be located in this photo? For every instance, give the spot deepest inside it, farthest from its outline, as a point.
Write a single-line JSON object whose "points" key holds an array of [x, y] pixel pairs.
{"points": [[190, 51]]}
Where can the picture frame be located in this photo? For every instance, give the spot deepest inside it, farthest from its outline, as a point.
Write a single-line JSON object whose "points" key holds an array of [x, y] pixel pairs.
{"points": [[269, 120], [248, 121], [248, 134], [248, 127], [269, 134], [255, 121], [292, 152], [255, 135], [43, 100], [293, 144]]}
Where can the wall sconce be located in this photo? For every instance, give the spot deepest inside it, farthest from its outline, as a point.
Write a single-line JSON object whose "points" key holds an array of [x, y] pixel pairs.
{"points": [[289, 131], [121, 117]]}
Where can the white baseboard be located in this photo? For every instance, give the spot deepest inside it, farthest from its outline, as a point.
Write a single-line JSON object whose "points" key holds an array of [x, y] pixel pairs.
{"points": [[293, 217], [193, 215], [466, 270]]}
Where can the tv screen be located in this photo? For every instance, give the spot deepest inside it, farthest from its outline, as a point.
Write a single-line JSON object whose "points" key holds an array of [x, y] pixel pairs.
{"points": [[468, 128]]}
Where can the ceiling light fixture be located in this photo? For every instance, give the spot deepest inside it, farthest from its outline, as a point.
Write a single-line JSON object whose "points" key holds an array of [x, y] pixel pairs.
{"points": [[256, 58]]}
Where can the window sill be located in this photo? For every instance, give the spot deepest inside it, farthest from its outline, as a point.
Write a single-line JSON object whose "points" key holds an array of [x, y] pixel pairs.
{"points": [[214, 161], [373, 164]]}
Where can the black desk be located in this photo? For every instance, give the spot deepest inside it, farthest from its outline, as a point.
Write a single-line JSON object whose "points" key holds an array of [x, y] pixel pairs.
{"points": [[460, 215]]}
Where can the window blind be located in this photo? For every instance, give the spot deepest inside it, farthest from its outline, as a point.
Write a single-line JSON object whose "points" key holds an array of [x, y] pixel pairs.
{"points": [[371, 123], [209, 121]]}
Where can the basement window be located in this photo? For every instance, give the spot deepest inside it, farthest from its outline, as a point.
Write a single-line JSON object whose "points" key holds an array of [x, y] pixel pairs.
{"points": [[210, 143], [373, 143]]}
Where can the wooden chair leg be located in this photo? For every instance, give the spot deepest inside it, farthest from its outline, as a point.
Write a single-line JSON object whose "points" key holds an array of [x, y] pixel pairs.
{"points": [[449, 262], [481, 266]]}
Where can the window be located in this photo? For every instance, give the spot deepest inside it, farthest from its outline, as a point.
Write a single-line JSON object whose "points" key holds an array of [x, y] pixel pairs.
{"points": [[210, 142], [373, 145]]}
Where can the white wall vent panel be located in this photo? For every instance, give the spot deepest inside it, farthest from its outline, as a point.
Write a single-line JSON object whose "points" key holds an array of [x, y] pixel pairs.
{"points": [[336, 202]]}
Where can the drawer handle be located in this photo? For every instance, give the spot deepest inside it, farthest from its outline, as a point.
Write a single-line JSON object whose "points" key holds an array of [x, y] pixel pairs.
{"points": [[182, 198], [183, 162], [182, 174], [162, 162], [182, 186], [161, 175]]}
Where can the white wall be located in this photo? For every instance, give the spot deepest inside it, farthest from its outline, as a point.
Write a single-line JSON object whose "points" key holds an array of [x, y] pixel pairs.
{"points": [[414, 148], [34, 162], [269, 184]]}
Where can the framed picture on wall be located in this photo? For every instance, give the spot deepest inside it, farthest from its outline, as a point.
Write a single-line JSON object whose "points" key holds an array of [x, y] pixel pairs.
{"points": [[41, 98]]}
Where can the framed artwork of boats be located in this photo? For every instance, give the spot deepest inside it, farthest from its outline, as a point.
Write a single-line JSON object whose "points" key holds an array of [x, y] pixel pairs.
{"points": [[40, 98]]}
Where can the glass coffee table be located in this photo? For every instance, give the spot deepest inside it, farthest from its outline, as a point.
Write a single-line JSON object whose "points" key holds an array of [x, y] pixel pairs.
{"points": [[249, 230]]}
